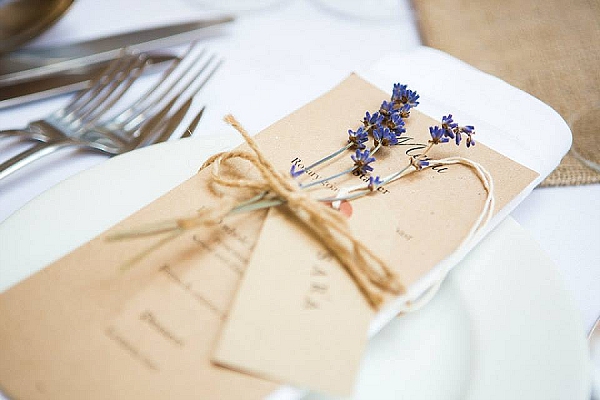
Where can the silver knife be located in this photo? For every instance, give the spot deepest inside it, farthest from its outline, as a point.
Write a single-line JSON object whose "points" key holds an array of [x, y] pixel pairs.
{"points": [[31, 64], [13, 94]]}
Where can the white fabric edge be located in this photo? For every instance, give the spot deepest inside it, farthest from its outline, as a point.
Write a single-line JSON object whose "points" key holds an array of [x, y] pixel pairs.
{"points": [[540, 136], [491, 103]]}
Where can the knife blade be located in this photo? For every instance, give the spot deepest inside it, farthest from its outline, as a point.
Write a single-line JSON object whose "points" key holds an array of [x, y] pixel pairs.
{"points": [[21, 92], [36, 63]]}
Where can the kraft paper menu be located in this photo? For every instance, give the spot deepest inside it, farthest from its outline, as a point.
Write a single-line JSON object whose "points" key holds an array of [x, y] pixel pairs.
{"points": [[432, 212], [83, 328], [308, 326]]}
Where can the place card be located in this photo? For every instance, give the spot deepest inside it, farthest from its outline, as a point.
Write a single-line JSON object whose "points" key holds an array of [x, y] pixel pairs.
{"points": [[297, 333]]}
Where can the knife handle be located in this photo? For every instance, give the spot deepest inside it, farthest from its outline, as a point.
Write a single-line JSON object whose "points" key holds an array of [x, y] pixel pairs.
{"points": [[30, 155]]}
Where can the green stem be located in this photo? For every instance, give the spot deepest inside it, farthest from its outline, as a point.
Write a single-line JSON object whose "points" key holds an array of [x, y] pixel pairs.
{"points": [[395, 175], [327, 179], [254, 199], [327, 158], [247, 206], [375, 149], [363, 192]]}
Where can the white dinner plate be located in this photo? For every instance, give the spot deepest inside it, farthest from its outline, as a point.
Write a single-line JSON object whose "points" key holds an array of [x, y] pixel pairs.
{"points": [[501, 327]]}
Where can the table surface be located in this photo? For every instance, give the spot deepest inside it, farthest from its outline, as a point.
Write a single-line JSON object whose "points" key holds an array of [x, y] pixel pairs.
{"points": [[277, 59]]}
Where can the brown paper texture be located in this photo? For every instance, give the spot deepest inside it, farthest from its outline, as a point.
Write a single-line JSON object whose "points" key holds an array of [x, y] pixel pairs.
{"points": [[276, 331], [83, 328], [296, 325]]}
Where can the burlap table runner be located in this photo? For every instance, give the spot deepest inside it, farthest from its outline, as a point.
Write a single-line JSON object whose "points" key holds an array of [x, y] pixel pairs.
{"points": [[548, 48]]}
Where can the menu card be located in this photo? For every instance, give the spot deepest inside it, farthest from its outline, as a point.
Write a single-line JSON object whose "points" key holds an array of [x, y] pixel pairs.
{"points": [[84, 327]]}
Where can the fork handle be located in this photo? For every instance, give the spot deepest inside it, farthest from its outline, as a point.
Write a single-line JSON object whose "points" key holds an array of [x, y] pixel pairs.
{"points": [[30, 155]]}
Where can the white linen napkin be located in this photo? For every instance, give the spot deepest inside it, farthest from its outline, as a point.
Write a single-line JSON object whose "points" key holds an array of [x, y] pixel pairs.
{"points": [[507, 120]]}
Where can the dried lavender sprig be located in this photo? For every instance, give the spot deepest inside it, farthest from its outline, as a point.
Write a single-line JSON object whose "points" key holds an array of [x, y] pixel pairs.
{"points": [[361, 166], [417, 162], [383, 136], [336, 153], [385, 125], [356, 140], [438, 135], [390, 117]]}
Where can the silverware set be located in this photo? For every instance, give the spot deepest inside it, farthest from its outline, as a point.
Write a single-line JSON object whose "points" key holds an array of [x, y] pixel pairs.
{"points": [[105, 116], [37, 73], [96, 119]]}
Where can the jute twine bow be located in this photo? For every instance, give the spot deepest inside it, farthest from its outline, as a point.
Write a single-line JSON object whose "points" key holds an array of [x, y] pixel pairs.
{"points": [[370, 273]]}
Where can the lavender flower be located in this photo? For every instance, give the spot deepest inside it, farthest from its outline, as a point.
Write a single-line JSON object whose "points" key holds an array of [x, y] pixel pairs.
{"points": [[402, 96], [362, 161], [454, 131], [437, 135], [469, 130], [387, 108], [384, 136], [396, 124], [358, 138], [386, 125], [404, 111], [370, 122], [399, 90], [374, 183], [448, 125], [295, 173], [419, 162]]}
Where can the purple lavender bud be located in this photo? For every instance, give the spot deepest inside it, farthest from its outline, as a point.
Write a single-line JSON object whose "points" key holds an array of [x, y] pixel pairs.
{"points": [[362, 161]]}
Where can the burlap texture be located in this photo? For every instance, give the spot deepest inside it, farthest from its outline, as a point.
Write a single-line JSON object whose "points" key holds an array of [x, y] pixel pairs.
{"points": [[548, 48]]}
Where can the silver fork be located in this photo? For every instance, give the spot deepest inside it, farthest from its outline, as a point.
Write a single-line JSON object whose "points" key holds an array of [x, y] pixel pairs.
{"points": [[124, 70], [143, 123], [126, 122]]}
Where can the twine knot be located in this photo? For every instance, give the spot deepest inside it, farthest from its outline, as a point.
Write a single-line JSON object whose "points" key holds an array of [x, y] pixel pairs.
{"points": [[370, 273]]}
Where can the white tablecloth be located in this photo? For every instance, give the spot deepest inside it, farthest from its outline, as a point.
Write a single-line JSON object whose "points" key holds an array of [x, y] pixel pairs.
{"points": [[277, 59]]}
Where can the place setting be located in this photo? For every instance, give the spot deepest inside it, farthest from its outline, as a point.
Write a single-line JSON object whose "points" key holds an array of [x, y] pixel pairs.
{"points": [[219, 231]]}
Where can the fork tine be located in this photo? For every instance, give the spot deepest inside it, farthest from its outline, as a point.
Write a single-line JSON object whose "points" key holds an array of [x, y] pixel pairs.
{"points": [[178, 78], [120, 81], [116, 95], [149, 128], [175, 120], [110, 70], [89, 95], [169, 127], [164, 128], [160, 128], [192, 126], [130, 112], [207, 78], [100, 90], [138, 118]]}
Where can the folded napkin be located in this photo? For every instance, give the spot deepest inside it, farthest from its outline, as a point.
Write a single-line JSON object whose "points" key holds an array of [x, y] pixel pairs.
{"points": [[549, 48], [533, 135], [540, 141]]}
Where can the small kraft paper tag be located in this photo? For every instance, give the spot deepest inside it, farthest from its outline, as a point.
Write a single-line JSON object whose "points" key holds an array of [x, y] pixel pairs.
{"points": [[307, 324]]}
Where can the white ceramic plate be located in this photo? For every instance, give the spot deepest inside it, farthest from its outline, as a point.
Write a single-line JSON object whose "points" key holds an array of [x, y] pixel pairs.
{"points": [[501, 327]]}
